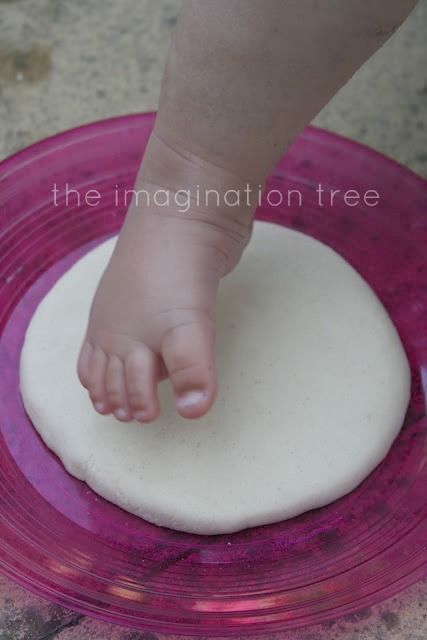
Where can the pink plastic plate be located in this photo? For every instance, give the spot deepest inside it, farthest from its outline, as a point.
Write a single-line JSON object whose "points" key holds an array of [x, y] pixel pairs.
{"points": [[60, 540]]}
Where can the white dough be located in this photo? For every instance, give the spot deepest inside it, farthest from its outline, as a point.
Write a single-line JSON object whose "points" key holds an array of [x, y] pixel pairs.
{"points": [[313, 388]]}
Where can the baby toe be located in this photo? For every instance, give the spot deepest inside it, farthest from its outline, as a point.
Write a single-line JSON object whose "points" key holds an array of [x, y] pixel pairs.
{"points": [[96, 380], [115, 388], [83, 365], [187, 352], [142, 370]]}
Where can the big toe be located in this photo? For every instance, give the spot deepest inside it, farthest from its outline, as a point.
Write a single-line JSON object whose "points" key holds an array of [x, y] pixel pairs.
{"points": [[187, 351]]}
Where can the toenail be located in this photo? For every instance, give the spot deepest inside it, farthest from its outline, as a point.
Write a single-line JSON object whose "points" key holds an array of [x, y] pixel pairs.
{"points": [[141, 416], [100, 407], [190, 399], [120, 414]]}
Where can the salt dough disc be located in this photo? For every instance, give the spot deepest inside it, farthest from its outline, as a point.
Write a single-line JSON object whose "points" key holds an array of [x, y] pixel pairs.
{"points": [[314, 385]]}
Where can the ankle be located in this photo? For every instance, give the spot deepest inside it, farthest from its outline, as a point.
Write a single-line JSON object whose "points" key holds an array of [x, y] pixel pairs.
{"points": [[205, 187]]}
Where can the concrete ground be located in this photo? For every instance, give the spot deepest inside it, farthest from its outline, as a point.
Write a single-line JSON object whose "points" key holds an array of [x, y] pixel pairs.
{"points": [[64, 63], [68, 62]]}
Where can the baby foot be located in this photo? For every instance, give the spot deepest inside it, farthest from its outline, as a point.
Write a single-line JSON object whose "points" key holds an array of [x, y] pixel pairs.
{"points": [[153, 315]]}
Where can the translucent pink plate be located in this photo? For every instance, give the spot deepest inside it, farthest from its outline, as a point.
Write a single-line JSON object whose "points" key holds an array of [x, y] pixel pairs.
{"points": [[60, 540]]}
